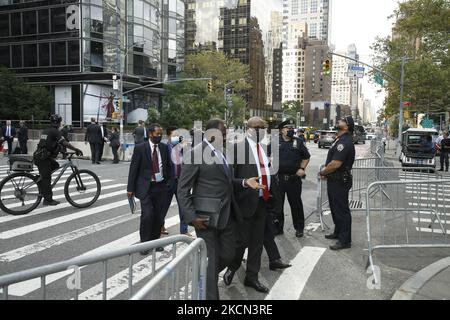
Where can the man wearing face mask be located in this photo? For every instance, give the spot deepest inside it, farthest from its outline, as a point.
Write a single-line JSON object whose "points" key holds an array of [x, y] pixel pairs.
{"points": [[337, 172], [149, 178], [294, 158]]}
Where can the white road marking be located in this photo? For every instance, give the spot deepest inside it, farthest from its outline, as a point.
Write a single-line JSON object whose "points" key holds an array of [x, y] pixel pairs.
{"points": [[27, 250], [426, 220], [13, 233], [438, 231], [36, 212], [61, 181], [292, 281]]}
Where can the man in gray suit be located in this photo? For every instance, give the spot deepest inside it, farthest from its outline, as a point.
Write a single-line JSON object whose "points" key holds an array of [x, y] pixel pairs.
{"points": [[203, 183], [140, 133]]}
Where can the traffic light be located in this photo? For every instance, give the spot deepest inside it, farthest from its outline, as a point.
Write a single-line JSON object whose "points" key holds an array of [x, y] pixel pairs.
{"points": [[210, 86], [327, 67], [118, 105]]}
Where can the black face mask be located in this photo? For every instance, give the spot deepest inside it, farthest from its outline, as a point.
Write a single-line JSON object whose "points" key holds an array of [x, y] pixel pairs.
{"points": [[156, 140], [291, 133]]}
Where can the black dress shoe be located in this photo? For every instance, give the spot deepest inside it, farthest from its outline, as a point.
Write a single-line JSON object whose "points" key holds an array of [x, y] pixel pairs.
{"points": [[255, 284], [228, 276], [51, 203], [299, 234], [278, 264], [339, 246], [160, 249], [331, 236]]}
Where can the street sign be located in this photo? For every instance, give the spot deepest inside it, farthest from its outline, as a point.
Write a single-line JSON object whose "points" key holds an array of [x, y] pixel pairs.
{"points": [[125, 99], [355, 72], [325, 121], [115, 84], [302, 119], [427, 123]]}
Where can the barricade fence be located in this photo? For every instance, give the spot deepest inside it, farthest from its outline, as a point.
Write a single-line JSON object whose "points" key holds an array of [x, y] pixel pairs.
{"points": [[408, 214], [183, 277]]}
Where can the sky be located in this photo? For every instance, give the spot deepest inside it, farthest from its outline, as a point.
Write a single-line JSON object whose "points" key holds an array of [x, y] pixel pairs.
{"points": [[360, 22]]}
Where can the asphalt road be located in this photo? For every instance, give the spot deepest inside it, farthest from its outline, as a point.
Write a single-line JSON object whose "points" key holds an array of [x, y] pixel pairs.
{"points": [[52, 235]]}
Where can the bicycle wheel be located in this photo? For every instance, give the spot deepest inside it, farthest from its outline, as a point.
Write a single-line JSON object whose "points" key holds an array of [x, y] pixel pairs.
{"points": [[82, 189], [19, 193]]}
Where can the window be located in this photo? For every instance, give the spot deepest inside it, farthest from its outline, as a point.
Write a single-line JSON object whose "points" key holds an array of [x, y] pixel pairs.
{"points": [[313, 6], [4, 56], [59, 54], [17, 56], [16, 24], [74, 52], [30, 55], [29, 22], [58, 19], [304, 7], [44, 21], [96, 53], [4, 26], [44, 54]]}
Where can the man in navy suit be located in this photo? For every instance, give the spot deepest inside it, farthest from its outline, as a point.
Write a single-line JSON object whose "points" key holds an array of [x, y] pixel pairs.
{"points": [[149, 179], [8, 133]]}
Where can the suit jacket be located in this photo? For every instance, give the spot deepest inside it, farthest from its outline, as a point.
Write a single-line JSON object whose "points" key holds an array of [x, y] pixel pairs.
{"points": [[114, 139], [140, 174], [13, 132], [208, 181], [105, 134], [23, 134], [139, 134], [93, 134], [248, 198]]}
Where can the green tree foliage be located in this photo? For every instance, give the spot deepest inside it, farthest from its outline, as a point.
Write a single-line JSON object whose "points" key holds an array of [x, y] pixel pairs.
{"points": [[421, 33], [20, 100], [290, 109], [186, 102]]}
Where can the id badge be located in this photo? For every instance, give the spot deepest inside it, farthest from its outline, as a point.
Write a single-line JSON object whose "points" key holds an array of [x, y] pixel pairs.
{"points": [[158, 177]]}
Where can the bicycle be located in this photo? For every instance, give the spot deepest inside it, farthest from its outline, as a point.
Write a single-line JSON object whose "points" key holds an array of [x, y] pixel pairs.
{"points": [[20, 193]]}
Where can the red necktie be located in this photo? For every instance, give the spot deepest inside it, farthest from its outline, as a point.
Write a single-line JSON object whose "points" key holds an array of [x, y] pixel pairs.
{"points": [[266, 193], [155, 162]]}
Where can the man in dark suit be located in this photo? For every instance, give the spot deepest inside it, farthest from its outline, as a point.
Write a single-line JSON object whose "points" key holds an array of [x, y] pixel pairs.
{"points": [[149, 179], [207, 176], [8, 133], [94, 137], [105, 135], [140, 133], [250, 161], [22, 136]]}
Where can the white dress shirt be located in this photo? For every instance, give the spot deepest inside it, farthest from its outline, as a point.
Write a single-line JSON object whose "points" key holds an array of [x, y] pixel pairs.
{"points": [[152, 147], [265, 160]]}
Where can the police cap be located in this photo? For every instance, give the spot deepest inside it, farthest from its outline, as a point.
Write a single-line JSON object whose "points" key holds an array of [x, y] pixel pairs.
{"points": [[350, 123], [287, 123]]}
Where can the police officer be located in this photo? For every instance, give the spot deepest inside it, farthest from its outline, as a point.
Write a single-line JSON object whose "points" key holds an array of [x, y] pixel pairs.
{"points": [[337, 172], [49, 146], [294, 158]]}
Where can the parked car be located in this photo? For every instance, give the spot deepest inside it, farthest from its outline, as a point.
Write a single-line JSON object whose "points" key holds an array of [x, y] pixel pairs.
{"points": [[413, 152], [327, 138], [359, 135]]}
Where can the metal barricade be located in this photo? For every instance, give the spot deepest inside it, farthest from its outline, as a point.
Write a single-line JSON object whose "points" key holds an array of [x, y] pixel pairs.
{"points": [[191, 281], [409, 214]]}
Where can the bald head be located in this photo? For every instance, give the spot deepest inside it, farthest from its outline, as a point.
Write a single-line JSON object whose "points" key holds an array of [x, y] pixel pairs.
{"points": [[256, 123]]}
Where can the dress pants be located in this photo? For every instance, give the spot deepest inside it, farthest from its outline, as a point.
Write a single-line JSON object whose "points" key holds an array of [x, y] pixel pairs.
{"points": [[340, 210], [46, 167], [95, 152], [100, 151], [173, 192], [250, 234], [293, 189], [269, 238], [23, 147], [115, 153], [444, 160], [10, 143], [221, 245], [151, 208]]}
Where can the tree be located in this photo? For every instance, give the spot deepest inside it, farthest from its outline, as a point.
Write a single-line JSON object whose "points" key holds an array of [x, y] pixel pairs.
{"points": [[153, 115], [20, 100], [186, 102], [291, 108], [421, 34]]}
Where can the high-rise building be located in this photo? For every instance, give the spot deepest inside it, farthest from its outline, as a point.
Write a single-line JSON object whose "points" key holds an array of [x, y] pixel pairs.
{"points": [[341, 84], [315, 13], [274, 42], [74, 47], [239, 28]]}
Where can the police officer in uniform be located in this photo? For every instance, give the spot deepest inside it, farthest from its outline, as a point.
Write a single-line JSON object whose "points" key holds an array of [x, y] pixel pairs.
{"points": [[337, 172], [49, 146], [294, 158]]}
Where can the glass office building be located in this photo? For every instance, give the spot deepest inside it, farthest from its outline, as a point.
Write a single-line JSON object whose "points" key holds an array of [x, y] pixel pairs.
{"points": [[239, 28], [74, 47]]}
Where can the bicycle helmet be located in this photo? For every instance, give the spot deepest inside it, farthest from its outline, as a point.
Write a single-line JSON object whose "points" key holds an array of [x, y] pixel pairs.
{"points": [[55, 120]]}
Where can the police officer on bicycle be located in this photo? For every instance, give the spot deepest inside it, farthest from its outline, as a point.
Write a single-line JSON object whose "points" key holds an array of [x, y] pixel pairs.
{"points": [[49, 146], [294, 158], [337, 172]]}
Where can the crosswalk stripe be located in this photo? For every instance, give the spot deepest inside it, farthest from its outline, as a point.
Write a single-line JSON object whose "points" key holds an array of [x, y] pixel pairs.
{"points": [[438, 231], [426, 220], [63, 196], [26, 287], [58, 240], [40, 211], [13, 233], [292, 281]]}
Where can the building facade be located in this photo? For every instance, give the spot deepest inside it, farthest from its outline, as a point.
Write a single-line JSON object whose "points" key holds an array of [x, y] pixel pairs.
{"points": [[240, 29], [74, 47]]}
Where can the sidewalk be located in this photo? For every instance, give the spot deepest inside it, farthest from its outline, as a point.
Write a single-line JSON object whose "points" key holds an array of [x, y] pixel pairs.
{"points": [[430, 283]]}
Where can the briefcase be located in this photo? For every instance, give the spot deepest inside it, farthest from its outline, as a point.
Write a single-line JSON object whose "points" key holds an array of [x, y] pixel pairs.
{"points": [[210, 207]]}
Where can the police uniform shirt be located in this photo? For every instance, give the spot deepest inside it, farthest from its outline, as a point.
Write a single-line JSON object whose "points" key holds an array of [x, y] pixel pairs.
{"points": [[292, 153], [445, 145], [50, 140], [343, 149]]}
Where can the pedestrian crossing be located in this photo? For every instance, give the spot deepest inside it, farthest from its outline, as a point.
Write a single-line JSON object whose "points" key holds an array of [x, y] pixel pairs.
{"points": [[52, 234]]}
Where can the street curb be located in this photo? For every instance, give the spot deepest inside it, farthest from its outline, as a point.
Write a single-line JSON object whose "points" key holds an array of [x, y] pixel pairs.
{"points": [[412, 286]]}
